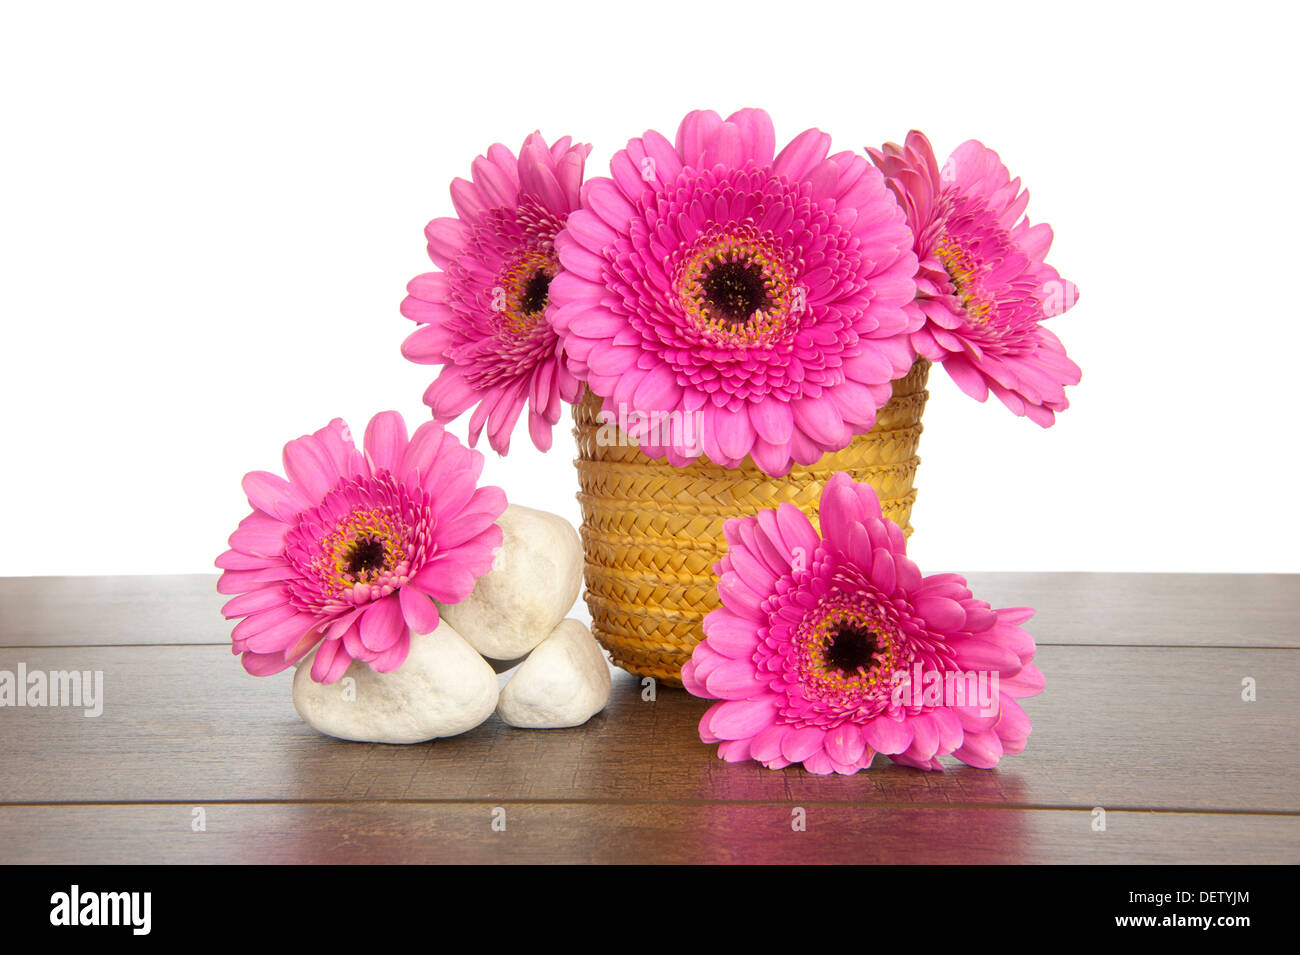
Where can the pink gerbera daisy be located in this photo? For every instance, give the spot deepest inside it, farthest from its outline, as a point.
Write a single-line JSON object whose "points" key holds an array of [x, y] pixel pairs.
{"points": [[483, 315], [350, 552], [819, 640], [983, 286], [761, 296]]}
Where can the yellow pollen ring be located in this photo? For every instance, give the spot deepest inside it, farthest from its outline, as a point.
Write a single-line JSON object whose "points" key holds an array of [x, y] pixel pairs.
{"points": [[964, 273], [509, 296], [819, 637], [726, 250], [338, 547]]}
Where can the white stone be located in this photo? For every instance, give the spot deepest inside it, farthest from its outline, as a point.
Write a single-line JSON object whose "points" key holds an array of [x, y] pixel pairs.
{"points": [[444, 688], [532, 586], [564, 682]]}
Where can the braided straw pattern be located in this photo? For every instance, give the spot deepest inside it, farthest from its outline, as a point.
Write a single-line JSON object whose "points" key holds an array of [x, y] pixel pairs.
{"points": [[652, 532]]}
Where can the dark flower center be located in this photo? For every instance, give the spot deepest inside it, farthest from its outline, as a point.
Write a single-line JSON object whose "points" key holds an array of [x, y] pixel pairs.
{"points": [[366, 555], [852, 649], [536, 291], [734, 291]]}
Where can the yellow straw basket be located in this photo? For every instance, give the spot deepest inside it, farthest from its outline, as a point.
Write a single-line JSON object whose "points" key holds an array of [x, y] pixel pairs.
{"points": [[651, 532]]}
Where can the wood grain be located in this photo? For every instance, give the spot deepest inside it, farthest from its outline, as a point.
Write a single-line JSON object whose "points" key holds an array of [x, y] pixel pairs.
{"points": [[1143, 716], [1171, 610], [1186, 610], [629, 833], [111, 611], [1124, 728]]}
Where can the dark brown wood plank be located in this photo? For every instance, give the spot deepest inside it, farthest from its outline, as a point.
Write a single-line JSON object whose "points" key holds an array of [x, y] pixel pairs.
{"points": [[629, 833], [1122, 728], [1175, 610], [1231, 610], [111, 611]]}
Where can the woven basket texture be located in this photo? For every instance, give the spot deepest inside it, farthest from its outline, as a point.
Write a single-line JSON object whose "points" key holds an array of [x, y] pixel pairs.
{"points": [[651, 532]]}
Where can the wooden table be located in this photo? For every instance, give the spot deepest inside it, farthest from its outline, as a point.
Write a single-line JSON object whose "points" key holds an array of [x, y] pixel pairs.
{"points": [[1143, 717]]}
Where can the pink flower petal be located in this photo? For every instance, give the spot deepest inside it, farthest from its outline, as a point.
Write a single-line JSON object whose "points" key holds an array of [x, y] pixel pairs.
{"points": [[281, 636], [382, 624], [1028, 682], [1013, 723], [264, 664], [981, 750], [418, 610], [845, 744], [735, 680], [274, 495], [255, 602], [309, 467], [818, 763], [734, 750], [730, 634], [766, 745], [887, 736], [799, 744], [741, 719], [322, 666], [690, 684], [444, 582], [389, 660], [940, 613], [386, 441], [974, 653]]}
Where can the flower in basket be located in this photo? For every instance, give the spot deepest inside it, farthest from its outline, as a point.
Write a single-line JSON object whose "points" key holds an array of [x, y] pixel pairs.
{"points": [[830, 649], [483, 317], [348, 555], [761, 296], [983, 286]]}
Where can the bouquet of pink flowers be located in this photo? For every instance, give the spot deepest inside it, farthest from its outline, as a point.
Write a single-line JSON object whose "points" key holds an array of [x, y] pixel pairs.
{"points": [[744, 318], [745, 324], [776, 294]]}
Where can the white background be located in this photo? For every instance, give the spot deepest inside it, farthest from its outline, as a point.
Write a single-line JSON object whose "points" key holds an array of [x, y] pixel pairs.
{"points": [[210, 214]]}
